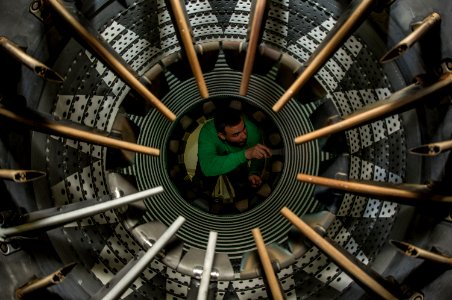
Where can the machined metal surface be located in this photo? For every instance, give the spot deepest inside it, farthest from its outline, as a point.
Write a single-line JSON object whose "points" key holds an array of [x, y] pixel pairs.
{"points": [[143, 34]]}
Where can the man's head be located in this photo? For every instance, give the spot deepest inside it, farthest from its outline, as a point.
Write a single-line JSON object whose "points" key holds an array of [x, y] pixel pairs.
{"points": [[230, 126]]}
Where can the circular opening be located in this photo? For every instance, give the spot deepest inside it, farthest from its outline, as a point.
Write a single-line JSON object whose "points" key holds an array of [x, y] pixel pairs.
{"points": [[226, 192]]}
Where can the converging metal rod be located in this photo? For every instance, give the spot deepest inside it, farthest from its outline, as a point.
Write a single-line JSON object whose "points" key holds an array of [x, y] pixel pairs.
{"points": [[45, 282], [67, 217], [432, 149], [121, 286], [207, 268], [256, 28], [267, 265], [30, 62], [395, 194], [352, 269], [37, 122], [184, 30], [117, 65], [419, 30], [21, 176], [400, 100], [413, 251], [337, 36]]}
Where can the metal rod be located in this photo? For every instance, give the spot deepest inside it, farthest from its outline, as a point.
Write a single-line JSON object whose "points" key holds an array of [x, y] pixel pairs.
{"points": [[37, 122], [256, 24], [267, 265], [396, 102], [121, 286], [207, 268], [433, 149], [418, 32], [184, 30], [399, 194], [64, 218], [21, 176], [327, 48], [352, 269], [30, 62], [413, 251], [45, 282], [116, 65]]}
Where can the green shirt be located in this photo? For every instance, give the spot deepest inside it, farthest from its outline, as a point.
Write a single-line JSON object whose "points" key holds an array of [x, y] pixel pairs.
{"points": [[217, 157]]}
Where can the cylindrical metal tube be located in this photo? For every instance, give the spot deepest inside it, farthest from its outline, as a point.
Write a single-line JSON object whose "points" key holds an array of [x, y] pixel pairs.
{"points": [[267, 265], [207, 268], [376, 190], [121, 286], [30, 62], [42, 283], [413, 251], [418, 32], [118, 67], [396, 102], [337, 256], [187, 42], [432, 149], [64, 218], [341, 32], [38, 123], [21, 176], [256, 24]]}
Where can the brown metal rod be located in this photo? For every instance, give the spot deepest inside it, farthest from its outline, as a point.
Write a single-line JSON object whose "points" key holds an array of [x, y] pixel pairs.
{"points": [[45, 282], [267, 264], [30, 62], [38, 123], [432, 149], [413, 251], [119, 67], [337, 256], [398, 101], [328, 47], [419, 31], [21, 176], [187, 42], [376, 190], [256, 24]]}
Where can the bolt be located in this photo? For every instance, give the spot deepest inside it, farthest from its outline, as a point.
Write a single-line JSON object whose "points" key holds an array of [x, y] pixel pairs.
{"points": [[449, 65], [36, 5]]}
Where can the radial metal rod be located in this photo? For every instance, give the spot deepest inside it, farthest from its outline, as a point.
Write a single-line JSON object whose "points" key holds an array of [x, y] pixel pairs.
{"points": [[256, 28], [413, 251], [67, 217], [267, 265], [21, 176], [37, 122], [344, 262], [45, 282], [400, 100], [338, 35], [184, 30], [406, 195], [30, 62], [433, 149], [419, 30], [114, 62], [127, 279], [207, 268]]}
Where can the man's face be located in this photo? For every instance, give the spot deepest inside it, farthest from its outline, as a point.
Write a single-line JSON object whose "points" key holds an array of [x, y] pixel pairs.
{"points": [[235, 135]]}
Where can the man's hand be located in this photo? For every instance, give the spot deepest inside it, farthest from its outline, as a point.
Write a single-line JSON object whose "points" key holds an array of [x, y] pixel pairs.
{"points": [[258, 152], [255, 181]]}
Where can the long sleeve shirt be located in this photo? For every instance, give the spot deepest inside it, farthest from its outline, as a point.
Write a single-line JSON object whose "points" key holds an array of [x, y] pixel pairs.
{"points": [[217, 157]]}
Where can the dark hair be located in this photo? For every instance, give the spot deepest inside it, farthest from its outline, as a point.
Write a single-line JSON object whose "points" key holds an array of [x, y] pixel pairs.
{"points": [[226, 117]]}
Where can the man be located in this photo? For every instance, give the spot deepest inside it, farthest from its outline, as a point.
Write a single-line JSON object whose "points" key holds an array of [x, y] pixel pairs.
{"points": [[225, 146]]}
